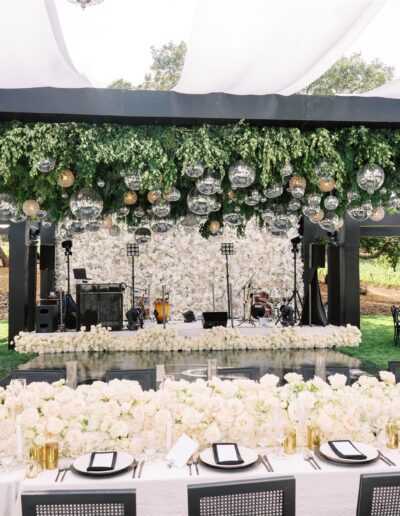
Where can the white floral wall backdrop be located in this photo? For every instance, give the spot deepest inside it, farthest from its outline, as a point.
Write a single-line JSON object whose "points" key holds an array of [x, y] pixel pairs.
{"points": [[186, 264]]}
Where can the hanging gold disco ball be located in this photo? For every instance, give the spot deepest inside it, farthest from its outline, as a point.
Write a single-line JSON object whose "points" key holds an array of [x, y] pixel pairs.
{"points": [[230, 194], [297, 181], [318, 216], [327, 184], [30, 208], [214, 226], [107, 222], [130, 198], [153, 195], [65, 178]]}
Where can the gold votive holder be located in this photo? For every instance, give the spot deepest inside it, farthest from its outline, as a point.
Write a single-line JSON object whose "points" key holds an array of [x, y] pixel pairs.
{"points": [[392, 435], [51, 455], [37, 454], [289, 444], [313, 437]]}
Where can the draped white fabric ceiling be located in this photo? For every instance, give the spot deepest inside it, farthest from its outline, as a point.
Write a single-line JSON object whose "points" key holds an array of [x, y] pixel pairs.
{"points": [[235, 46]]}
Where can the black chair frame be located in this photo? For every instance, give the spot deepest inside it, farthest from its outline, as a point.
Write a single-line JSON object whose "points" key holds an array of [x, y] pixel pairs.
{"points": [[145, 377], [287, 485], [308, 371], [31, 500], [394, 367], [252, 373], [39, 375], [370, 482]]}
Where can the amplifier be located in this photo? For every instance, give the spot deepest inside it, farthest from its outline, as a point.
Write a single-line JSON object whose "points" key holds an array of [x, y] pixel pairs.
{"points": [[100, 304], [46, 318], [211, 319]]}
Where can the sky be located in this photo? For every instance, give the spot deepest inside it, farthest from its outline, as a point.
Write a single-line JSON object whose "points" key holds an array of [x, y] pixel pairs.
{"points": [[112, 40]]}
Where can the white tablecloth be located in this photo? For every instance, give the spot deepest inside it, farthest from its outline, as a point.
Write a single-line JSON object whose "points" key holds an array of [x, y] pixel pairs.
{"points": [[163, 492]]}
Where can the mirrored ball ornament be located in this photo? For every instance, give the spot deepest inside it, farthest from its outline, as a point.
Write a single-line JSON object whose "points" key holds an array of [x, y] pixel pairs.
{"points": [[273, 191], [86, 204], [287, 170], [132, 179], [370, 178], [30, 208], [241, 175], [318, 216], [114, 230], [173, 195], [297, 192], [209, 183], [233, 219], [139, 212], [331, 202], [200, 204], [327, 184], [8, 207], [394, 202], [252, 198], [153, 195], [161, 225], [276, 232], [190, 221], [267, 215], [161, 208], [142, 235], [357, 212], [214, 226], [194, 170], [77, 226], [314, 200], [107, 222], [123, 212], [101, 183], [46, 164], [378, 214], [93, 226], [310, 211], [294, 205], [328, 223]]}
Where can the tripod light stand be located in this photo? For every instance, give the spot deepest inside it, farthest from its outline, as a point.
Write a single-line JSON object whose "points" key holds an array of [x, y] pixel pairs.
{"points": [[133, 250], [295, 297], [227, 250]]}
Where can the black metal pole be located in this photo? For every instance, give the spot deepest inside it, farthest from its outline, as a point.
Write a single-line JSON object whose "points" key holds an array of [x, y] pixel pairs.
{"points": [[228, 290], [133, 281], [68, 279]]}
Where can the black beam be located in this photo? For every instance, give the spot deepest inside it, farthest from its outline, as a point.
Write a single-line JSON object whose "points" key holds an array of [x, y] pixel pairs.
{"points": [[18, 289], [47, 261], [135, 107]]}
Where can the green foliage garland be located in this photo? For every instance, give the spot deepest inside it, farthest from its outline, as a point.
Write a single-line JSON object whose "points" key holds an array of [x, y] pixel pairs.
{"points": [[161, 154]]}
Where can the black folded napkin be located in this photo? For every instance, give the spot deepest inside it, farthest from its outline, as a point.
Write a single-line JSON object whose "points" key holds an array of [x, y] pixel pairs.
{"points": [[353, 454], [221, 450], [99, 463]]}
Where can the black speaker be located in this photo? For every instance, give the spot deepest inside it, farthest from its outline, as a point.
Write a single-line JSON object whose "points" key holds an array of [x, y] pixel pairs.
{"points": [[211, 319], [46, 318], [99, 304], [317, 255], [47, 257]]}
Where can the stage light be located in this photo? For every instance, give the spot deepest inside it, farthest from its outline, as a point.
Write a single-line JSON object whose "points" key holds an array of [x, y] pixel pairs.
{"points": [[227, 249], [132, 249]]}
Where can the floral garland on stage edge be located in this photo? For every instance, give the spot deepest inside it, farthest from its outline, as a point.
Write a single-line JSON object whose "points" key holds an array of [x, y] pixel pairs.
{"points": [[120, 416], [157, 339]]}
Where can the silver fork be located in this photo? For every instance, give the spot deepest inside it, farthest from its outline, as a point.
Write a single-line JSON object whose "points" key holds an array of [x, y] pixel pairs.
{"points": [[312, 459], [307, 458], [189, 463], [196, 465]]}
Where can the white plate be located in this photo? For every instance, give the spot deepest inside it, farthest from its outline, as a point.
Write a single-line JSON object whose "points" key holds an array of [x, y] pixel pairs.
{"points": [[124, 461], [249, 457], [369, 451]]}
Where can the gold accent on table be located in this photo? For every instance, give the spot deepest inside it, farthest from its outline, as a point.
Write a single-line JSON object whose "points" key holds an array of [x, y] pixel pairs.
{"points": [[313, 437], [392, 435], [51, 455], [289, 444], [37, 453]]}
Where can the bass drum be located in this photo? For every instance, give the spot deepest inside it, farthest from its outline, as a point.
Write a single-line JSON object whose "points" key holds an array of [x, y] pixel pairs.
{"points": [[257, 310], [158, 310]]}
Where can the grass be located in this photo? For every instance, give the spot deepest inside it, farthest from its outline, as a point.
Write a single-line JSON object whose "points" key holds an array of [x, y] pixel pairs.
{"points": [[374, 272], [377, 347], [9, 359]]}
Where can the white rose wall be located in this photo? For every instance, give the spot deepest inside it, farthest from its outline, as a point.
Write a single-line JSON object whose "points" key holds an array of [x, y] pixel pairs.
{"points": [[187, 264]]}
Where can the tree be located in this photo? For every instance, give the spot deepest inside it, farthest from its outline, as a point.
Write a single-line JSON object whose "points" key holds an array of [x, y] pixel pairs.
{"points": [[351, 75], [387, 247], [166, 67], [3, 256], [121, 84]]}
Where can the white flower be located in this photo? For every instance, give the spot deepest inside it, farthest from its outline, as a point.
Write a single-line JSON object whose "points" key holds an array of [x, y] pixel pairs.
{"points": [[387, 377], [54, 425], [269, 380], [337, 380], [293, 377], [212, 434]]}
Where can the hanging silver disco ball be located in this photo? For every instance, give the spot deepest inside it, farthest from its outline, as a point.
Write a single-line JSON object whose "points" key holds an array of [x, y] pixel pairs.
{"points": [[277, 232], [173, 195], [191, 221], [233, 219], [209, 183], [370, 178], [194, 170], [357, 212], [123, 212], [331, 202], [46, 164], [8, 207], [314, 200], [114, 230], [142, 235], [93, 226], [252, 198], [310, 211], [323, 169], [77, 226], [139, 212], [287, 170], [241, 175], [267, 215], [101, 183], [329, 222], [200, 204], [86, 204], [294, 205], [161, 225], [297, 192], [281, 221], [132, 179], [274, 190], [161, 208]]}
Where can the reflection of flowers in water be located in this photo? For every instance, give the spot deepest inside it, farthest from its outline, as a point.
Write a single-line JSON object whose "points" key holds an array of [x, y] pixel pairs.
{"points": [[118, 415], [186, 264], [158, 339]]}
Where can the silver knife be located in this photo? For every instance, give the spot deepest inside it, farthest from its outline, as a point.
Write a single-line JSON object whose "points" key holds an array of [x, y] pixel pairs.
{"points": [[140, 469]]}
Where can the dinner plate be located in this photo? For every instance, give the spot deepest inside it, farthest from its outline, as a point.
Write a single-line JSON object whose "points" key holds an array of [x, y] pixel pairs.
{"points": [[249, 457], [124, 461], [370, 452]]}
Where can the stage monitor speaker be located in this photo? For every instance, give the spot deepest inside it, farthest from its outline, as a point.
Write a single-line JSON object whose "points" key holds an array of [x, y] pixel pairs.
{"points": [[46, 318], [99, 306], [211, 319], [317, 255], [47, 257]]}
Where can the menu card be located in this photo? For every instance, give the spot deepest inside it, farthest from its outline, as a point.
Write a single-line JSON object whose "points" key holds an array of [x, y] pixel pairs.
{"points": [[102, 461], [226, 454], [346, 450], [181, 451]]}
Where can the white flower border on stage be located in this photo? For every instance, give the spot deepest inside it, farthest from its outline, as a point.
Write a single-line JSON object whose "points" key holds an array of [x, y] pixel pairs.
{"points": [[157, 339], [187, 264], [120, 416]]}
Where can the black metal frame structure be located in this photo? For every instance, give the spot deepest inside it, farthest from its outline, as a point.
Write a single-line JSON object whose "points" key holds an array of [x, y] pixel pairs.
{"points": [[379, 493], [145, 377], [216, 492], [137, 107]]}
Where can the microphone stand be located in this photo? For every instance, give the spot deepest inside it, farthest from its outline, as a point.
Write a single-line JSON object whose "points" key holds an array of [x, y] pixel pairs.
{"points": [[243, 289]]}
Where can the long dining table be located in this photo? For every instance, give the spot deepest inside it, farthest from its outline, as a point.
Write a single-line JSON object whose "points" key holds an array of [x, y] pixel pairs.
{"points": [[162, 491]]}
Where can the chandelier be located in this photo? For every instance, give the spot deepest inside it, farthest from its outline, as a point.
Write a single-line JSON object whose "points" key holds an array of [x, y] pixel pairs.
{"points": [[85, 3]]}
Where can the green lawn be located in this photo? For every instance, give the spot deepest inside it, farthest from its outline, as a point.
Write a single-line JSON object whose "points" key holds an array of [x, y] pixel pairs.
{"points": [[374, 272], [9, 359], [377, 342]]}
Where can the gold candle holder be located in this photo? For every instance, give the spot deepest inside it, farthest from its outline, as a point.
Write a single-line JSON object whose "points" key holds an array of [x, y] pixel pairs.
{"points": [[51, 455], [37, 454], [313, 437], [289, 444], [392, 435]]}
